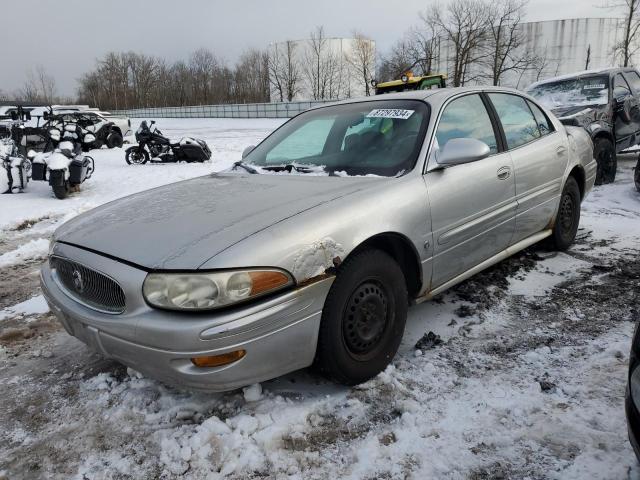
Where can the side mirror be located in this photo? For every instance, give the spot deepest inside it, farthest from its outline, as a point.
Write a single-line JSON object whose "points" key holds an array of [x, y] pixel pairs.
{"points": [[153, 122], [247, 151], [463, 150]]}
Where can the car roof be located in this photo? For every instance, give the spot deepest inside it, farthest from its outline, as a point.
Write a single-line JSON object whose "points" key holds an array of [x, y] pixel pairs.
{"points": [[434, 96], [583, 73]]}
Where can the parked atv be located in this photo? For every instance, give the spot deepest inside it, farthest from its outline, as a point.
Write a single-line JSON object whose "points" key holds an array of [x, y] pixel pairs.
{"points": [[15, 170], [66, 167], [154, 146]]}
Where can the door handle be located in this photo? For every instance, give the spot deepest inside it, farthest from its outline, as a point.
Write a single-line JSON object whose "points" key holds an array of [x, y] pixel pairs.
{"points": [[561, 151], [504, 173]]}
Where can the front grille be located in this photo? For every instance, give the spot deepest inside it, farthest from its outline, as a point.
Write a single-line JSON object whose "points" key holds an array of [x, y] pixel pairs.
{"points": [[87, 286]]}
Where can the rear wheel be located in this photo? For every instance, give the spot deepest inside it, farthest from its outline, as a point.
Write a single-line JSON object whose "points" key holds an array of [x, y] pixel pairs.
{"points": [[605, 155], [363, 318], [61, 191], [114, 140], [136, 155], [568, 217]]}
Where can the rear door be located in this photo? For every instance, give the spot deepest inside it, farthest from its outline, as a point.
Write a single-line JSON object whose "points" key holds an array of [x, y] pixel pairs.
{"points": [[633, 79], [473, 204], [539, 155]]}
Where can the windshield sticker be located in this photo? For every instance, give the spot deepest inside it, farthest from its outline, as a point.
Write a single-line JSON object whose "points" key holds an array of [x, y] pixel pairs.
{"points": [[391, 113], [597, 86]]}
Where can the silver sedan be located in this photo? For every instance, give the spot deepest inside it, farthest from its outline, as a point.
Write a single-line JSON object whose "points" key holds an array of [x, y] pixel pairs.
{"points": [[312, 247]]}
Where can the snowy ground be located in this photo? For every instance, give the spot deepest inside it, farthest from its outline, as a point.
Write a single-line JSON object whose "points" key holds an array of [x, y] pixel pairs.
{"points": [[524, 377]]}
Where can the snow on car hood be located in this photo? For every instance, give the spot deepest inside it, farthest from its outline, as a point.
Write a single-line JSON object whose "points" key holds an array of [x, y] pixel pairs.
{"points": [[182, 225]]}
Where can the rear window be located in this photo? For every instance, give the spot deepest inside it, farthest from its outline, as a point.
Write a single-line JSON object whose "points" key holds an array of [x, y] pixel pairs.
{"points": [[519, 124]]}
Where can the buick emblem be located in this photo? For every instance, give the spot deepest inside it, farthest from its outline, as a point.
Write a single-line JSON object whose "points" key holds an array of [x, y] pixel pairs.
{"points": [[78, 284]]}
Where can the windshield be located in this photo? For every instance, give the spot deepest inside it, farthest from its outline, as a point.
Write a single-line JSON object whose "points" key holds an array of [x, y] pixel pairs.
{"points": [[368, 138], [574, 92]]}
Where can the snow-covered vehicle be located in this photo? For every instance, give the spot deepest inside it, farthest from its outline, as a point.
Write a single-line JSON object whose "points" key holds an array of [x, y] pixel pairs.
{"points": [[105, 131], [310, 250], [15, 169], [66, 167], [154, 146], [606, 103]]}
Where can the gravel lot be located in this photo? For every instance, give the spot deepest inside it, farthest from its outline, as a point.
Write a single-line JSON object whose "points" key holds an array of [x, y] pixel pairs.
{"points": [[517, 373]]}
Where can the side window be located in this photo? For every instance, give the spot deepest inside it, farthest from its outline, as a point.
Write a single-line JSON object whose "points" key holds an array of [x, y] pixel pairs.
{"points": [[466, 117], [634, 80], [544, 125], [519, 125], [620, 87], [307, 141]]}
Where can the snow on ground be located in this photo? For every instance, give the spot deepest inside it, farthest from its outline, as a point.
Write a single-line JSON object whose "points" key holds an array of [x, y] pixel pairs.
{"points": [[519, 372]]}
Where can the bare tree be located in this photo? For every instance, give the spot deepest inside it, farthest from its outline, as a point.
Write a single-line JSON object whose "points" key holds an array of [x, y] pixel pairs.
{"points": [[505, 41], [39, 86], [362, 60], [463, 25], [284, 70], [323, 67], [628, 45]]}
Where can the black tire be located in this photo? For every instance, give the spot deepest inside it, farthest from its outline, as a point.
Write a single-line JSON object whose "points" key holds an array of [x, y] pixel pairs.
{"points": [[114, 140], [567, 218], [61, 191], [605, 154], [136, 156], [636, 175], [363, 318]]}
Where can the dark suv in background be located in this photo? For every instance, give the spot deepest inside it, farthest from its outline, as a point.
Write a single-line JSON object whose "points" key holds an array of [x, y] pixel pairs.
{"points": [[605, 102]]}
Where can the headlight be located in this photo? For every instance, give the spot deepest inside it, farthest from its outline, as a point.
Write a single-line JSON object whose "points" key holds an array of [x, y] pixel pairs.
{"points": [[206, 291]]}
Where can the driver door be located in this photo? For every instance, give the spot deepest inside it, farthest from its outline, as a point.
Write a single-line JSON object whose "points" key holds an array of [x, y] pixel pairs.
{"points": [[473, 205], [626, 123]]}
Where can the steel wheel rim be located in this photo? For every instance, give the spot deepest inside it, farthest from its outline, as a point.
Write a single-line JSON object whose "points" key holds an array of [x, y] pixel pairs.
{"points": [[365, 318], [566, 214]]}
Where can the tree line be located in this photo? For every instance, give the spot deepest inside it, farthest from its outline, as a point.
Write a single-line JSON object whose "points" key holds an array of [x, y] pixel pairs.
{"points": [[479, 41]]}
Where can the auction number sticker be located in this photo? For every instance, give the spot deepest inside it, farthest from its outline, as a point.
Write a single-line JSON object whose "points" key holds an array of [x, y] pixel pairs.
{"points": [[391, 113], [597, 86]]}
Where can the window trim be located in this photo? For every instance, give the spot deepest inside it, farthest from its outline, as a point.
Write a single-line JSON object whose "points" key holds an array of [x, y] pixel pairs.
{"points": [[627, 74], [546, 117], [555, 130], [496, 126], [613, 89]]}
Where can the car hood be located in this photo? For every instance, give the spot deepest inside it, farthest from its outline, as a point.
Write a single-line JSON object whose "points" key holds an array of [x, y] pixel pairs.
{"points": [[182, 225]]}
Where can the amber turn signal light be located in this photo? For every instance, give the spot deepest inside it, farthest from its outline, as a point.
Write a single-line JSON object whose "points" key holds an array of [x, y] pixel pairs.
{"points": [[218, 360], [262, 282]]}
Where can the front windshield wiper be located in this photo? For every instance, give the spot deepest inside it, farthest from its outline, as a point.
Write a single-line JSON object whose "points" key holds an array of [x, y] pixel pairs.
{"points": [[245, 166], [289, 168]]}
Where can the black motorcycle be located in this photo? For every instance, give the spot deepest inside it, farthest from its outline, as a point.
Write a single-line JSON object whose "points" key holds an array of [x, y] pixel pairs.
{"points": [[154, 146]]}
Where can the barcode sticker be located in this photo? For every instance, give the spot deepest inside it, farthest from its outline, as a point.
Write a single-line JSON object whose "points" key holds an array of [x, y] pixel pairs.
{"points": [[597, 86], [391, 113]]}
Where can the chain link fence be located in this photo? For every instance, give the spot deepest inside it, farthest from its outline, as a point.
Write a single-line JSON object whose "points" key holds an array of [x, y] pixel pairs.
{"points": [[244, 110]]}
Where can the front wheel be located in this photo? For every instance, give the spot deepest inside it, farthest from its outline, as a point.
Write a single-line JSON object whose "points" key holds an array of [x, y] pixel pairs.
{"points": [[605, 154], [136, 155], [636, 175], [363, 318], [567, 218]]}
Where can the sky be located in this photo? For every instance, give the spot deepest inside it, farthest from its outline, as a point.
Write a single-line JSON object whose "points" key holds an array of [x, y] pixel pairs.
{"points": [[67, 36]]}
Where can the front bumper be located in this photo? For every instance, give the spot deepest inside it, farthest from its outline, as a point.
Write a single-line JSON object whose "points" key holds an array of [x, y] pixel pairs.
{"points": [[278, 333]]}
